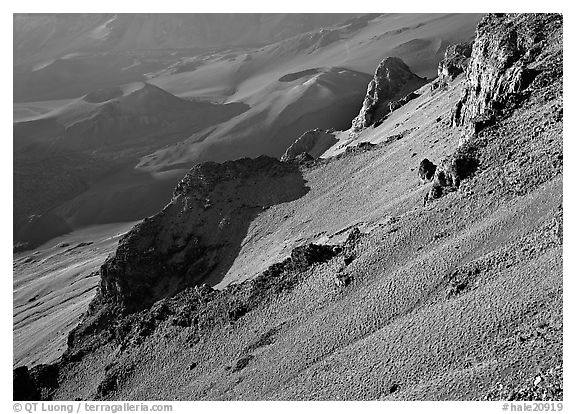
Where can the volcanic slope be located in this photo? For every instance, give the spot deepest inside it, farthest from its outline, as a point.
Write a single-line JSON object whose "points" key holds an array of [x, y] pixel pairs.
{"points": [[406, 301], [52, 288], [68, 55], [90, 147], [279, 112], [271, 95], [307, 74]]}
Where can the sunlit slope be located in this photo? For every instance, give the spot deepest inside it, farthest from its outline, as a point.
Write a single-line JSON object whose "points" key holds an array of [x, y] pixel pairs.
{"points": [[280, 111], [360, 44]]}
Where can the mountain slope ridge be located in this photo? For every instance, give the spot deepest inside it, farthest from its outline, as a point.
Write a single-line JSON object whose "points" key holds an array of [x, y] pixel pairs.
{"points": [[429, 285]]}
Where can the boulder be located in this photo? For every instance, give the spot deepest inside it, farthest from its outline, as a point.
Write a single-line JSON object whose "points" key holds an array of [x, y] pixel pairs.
{"points": [[426, 170], [450, 173]]}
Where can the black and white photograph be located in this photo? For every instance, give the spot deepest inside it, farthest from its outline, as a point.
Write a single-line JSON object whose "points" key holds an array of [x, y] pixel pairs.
{"points": [[286, 207]]}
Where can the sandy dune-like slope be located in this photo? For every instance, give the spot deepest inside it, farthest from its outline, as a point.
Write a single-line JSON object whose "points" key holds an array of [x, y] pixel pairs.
{"points": [[79, 159], [31, 110], [114, 116], [418, 39], [280, 111], [67, 55], [52, 288], [274, 84], [313, 60], [44, 36]]}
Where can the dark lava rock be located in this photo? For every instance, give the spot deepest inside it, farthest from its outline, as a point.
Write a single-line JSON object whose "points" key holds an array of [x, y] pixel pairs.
{"points": [[360, 148], [304, 159], [25, 388], [185, 244], [457, 167], [35, 384], [394, 105], [342, 279], [114, 377], [426, 170], [392, 81], [237, 311], [242, 363], [401, 102]]}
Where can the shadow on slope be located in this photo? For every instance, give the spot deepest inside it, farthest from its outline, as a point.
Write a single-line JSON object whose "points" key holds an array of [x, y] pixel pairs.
{"points": [[197, 236], [280, 111], [73, 157]]}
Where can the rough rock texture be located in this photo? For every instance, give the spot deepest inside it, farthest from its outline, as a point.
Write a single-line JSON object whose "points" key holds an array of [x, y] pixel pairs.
{"points": [[314, 143], [456, 59], [510, 52], [394, 105], [426, 170], [450, 173], [192, 239], [198, 309], [401, 102], [35, 384], [392, 81], [459, 300]]}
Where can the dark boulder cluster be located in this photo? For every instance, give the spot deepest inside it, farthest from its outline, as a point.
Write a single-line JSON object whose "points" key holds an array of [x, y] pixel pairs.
{"points": [[450, 173], [394, 105]]}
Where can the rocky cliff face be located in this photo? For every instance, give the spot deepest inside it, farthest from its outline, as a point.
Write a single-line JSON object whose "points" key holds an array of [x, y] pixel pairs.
{"points": [[392, 81], [428, 287], [455, 62], [510, 52], [313, 143], [196, 236]]}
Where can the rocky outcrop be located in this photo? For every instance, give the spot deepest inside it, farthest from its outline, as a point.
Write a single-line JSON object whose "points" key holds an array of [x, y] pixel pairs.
{"points": [[37, 383], [314, 143], [449, 174], [426, 170], [509, 53], [455, 62], [392, 81], [196, 237]]}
